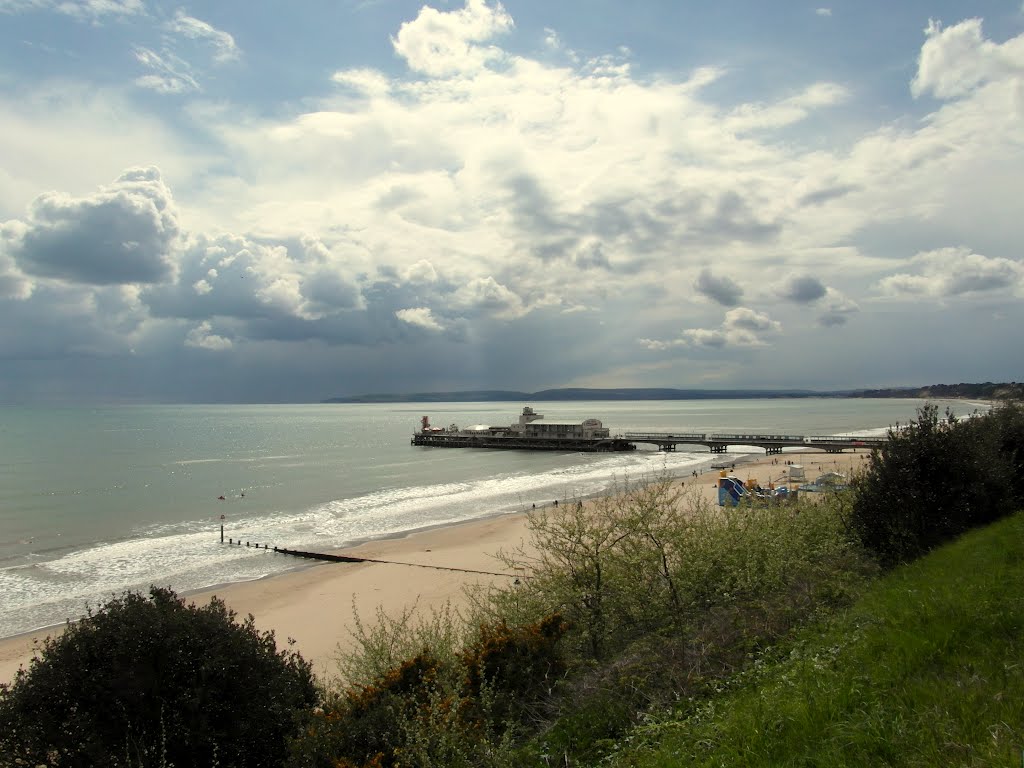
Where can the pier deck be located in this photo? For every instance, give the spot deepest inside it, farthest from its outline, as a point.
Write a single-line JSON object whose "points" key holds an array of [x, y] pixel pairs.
{"points": [[772, 444]]}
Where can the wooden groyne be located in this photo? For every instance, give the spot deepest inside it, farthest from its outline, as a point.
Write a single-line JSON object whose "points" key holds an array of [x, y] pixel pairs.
{"points": [[326, 557]]}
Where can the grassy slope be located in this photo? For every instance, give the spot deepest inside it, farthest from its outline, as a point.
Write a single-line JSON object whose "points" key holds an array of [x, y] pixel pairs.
{"points": [[926, 670]]}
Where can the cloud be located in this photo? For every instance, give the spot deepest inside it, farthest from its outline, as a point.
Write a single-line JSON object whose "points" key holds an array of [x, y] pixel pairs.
{"points": [[823, 11], [951, 272], [956, 60], [827, 194], [420, 272], [487, 294], [722, 290], [13, 283], [442, 44], [801, 289], [125, 233], [170, 72], [195, 29], [300, 288], [86, 10], [419, 316], [745, 319], [202, 337], [365, 81], [172, 75], [741, 327], [787, 111], [837, 310], [565, 203]]}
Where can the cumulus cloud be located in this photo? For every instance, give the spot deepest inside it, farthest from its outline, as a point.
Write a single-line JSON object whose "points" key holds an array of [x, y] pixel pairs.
{"points": [[488, 295], [823, 11], [955, 60], [202, 337], [124, 233], [223, 43], [420, 272], [419, 316], [723, 290], [950, 272], [741, 327], [482, 191], [441, 44], [258, 283]]}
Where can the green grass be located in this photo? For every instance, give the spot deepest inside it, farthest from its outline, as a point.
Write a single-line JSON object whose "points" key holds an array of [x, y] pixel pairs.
{"points": [[926, 670]]}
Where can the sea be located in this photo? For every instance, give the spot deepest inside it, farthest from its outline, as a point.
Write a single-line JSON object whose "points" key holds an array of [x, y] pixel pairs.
{"points": [[95, 501]]}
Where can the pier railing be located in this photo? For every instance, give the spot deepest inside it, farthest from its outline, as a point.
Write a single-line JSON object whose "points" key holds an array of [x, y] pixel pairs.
{"points": [[772, 443]]}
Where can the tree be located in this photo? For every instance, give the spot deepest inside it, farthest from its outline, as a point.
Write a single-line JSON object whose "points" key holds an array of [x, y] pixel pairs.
{"points": [[153, 681]]}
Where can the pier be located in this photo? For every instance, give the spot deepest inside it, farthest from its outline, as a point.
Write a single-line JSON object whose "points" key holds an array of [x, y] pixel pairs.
{"points": [[772, 444]]}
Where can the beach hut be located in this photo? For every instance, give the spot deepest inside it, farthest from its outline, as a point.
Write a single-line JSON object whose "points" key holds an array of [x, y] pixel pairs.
{"points": [[796, 473]]}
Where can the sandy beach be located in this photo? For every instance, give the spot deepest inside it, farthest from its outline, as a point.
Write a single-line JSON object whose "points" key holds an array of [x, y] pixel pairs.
{"points": [[313, 604]]}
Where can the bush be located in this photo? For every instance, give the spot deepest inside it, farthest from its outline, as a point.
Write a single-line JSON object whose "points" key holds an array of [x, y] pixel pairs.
{"points": [[154, 682], [439, 707], [514, 667], [937, 478]]}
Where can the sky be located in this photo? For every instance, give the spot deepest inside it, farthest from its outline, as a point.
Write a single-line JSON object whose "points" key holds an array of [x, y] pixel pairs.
{"points": [[271, 202]]}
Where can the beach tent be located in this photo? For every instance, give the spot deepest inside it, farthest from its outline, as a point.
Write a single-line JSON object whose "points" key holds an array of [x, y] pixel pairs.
{"points": [[730, 490]]}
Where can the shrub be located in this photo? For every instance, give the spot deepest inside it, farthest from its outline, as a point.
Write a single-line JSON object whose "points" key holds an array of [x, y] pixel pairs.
{"points": [[153, 682], [428, 711], [937, 478], [513, 667]]}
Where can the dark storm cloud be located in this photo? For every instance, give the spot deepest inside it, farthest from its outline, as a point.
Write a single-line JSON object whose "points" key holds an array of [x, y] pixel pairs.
{"points": [[974, 280], [731, 217], [232, 276], [68, 320], [803, 289], [125, 233], [532, 207], [722, 290], [645, 228]]}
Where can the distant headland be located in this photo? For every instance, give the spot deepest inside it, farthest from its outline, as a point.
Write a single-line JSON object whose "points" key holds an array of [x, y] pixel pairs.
{"points": [[985, 391]]}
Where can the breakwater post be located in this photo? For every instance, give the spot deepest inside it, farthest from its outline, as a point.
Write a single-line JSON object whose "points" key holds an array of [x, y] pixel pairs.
{"points": [[351, 559]]}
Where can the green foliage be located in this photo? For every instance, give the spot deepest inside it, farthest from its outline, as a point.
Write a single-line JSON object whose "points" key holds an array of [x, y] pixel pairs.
{"points": [[924, 670], [389, 641], [651, 560], [678, 596], [153, 682], [937, 478], [514, 666], [366, 725], [425, 711]]}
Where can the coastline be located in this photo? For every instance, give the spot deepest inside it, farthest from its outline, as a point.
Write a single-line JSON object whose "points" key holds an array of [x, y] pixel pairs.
{"points": [[313, 603]]}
